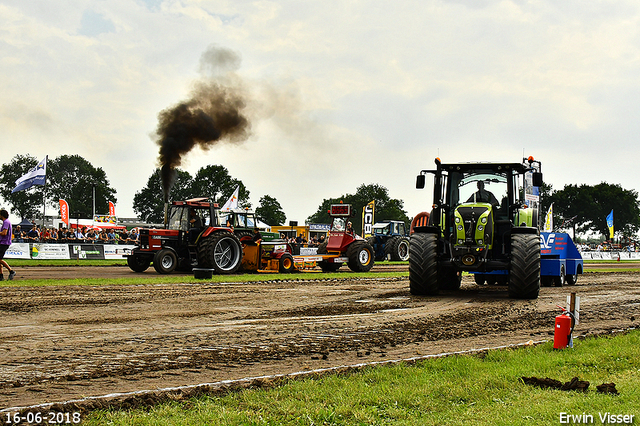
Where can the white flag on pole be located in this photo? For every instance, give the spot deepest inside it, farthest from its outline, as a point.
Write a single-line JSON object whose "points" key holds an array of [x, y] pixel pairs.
{"points": [[35, 176], [232, 203]]}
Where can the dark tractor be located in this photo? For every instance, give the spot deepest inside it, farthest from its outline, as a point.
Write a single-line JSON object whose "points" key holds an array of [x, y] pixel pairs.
{"points": [[192, 237], [390, 240], [343, 245], [485, 221]]}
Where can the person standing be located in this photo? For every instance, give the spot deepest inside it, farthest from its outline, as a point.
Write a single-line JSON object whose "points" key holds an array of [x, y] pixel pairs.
{"points": [[5, 241]]}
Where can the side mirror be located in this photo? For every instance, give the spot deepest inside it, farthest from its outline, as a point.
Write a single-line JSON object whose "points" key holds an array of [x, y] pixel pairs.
{"points": [[420, 181], [537, 179]]}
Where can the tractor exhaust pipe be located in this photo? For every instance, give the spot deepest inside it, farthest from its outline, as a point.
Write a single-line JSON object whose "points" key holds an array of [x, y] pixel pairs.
{"points": [[166, 210]]}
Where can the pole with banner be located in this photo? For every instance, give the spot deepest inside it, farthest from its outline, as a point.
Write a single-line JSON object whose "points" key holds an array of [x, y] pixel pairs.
{"points": [[610, 225], [367, 219], [112, 209], [35, 176], [548, 220], [64, 211]]}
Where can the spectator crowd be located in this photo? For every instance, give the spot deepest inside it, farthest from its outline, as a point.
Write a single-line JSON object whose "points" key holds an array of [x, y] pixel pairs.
{"points": [[85, 235]]}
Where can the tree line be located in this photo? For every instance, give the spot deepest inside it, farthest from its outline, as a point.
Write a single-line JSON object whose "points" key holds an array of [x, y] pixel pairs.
{"points": [[71, 177]]}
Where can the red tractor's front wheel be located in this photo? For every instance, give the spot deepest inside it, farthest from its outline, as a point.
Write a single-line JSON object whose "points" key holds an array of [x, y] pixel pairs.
{"points": [[361, 256]]}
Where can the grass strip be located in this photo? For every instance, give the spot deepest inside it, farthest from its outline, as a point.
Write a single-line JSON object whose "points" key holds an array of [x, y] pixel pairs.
{"points": [[154, 279], [456, 390]]}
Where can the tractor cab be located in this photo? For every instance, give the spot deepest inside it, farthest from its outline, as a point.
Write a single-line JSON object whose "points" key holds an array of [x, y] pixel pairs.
{"points": [[190, 218], [391, 227]]}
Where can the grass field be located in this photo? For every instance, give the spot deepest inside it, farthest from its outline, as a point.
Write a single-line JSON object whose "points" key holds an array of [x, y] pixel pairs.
{"points": [[455, 390]]}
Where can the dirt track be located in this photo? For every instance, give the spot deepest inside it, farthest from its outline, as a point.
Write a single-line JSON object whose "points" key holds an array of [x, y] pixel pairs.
{"points": [[59, 343]]}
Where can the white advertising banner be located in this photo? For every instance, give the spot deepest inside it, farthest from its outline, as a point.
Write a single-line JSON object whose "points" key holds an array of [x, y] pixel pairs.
{"points": [[111, 251], [50, 251], [18, 251]]}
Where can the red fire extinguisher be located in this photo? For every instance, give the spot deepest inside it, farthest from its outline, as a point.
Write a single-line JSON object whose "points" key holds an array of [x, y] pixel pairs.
{"points": [[564, 327]]}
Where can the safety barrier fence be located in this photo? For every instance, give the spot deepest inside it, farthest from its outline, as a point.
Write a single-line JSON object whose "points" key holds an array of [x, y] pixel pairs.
{"points": [[65, 251]]}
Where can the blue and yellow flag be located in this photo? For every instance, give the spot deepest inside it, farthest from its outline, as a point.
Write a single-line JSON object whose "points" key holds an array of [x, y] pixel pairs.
{"points": [[610, 224]]}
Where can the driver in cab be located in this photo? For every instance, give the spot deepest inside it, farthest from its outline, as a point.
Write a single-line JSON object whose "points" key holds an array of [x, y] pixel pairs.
{"points": [[483, 196]]}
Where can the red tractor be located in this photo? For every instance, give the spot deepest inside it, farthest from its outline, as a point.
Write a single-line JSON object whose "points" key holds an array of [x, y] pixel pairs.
{"points": [[192, 237], [344, 245]]}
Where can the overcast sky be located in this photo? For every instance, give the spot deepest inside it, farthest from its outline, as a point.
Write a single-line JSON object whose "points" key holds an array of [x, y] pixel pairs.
{"points": [[344, 93]]}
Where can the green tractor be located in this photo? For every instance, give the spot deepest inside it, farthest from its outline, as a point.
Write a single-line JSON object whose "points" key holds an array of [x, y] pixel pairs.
{"points": [[484, 221], [243, 222]]}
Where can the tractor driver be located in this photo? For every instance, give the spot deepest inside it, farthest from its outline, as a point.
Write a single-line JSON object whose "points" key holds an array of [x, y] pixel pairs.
{"points": [[483, 196], [349, 228], [195, 225]]}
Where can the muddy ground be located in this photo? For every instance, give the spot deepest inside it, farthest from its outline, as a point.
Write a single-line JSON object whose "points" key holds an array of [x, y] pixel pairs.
{"points": [[61, 343]]}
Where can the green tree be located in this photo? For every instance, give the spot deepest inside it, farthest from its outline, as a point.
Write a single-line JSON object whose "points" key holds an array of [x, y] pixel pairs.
{"points": [[26, 203], [270, 212], [148, 203], [73, 179], [215, 182], [590, 205], [386, 208]]}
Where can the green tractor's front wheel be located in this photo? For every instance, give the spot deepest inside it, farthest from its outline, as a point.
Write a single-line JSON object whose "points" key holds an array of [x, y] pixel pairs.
{"points": [[423, 264], [524, 276]]}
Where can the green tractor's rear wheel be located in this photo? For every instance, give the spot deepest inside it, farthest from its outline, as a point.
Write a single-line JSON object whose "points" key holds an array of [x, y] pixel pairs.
{"points": [[479, 279], [423, 264], [220, 251], [524, 276], [361, 257]]}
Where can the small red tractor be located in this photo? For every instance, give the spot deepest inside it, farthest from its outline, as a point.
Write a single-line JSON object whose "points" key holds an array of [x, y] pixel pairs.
{"points": [[192, 237], [344, 245]]}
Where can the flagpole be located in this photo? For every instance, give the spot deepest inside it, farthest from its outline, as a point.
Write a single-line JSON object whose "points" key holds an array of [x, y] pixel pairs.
{"points": [[44, 188]]}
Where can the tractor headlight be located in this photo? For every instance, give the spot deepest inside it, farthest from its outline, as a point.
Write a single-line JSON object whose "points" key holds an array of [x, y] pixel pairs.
{"points": [[483, 220], [457, 220], [460, 241], [460, 227], [480, 242], [480, 228]]}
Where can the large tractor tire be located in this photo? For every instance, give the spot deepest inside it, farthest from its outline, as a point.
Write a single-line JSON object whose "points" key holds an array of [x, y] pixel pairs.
{"points": [[361, 257], [138, 263], [221, 252], [423, 264], [397, 248], [165, 261], [524, 276]]}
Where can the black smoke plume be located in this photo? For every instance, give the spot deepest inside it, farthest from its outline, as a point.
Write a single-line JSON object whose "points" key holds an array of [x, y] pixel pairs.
{"points": [[214, 113]]}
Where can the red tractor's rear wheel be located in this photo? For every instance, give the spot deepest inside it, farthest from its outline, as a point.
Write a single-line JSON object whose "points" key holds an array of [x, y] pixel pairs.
{"points": [[220, 251]]}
